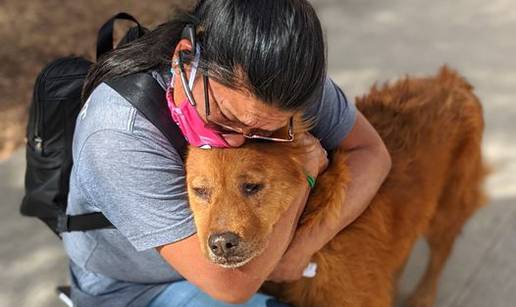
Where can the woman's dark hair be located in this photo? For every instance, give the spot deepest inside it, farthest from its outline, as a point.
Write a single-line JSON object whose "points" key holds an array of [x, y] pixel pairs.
{"points": [[272, 48]]}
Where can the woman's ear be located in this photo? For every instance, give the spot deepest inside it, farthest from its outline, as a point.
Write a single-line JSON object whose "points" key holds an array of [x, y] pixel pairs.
{"points": [[183, 45]]}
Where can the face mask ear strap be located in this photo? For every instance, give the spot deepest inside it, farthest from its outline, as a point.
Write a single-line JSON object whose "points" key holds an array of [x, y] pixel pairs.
{"points": [[195, 65]]}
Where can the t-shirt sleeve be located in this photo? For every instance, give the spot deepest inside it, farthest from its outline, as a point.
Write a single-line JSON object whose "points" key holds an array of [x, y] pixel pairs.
{"points": [[332, 116], [138, 185]]}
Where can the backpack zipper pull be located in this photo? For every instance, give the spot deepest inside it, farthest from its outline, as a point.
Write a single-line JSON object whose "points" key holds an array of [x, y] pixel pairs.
{"points": [[38, 144]]}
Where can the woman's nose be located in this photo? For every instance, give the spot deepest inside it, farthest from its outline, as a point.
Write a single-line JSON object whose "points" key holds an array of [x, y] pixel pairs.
{"points": [[234, 140]]}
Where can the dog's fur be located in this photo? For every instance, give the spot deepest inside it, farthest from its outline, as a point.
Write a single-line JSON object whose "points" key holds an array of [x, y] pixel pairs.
{"points": [[432, 128]]}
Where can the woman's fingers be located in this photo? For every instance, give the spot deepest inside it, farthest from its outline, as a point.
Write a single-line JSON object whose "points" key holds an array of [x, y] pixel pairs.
{"points": [[316, 157]]}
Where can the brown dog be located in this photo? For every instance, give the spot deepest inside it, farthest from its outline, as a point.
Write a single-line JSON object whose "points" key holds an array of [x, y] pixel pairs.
{"points": [[433, 130]]}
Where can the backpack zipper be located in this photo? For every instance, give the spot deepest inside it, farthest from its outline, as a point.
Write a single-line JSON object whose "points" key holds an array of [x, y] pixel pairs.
{"points": [[38, 144], [38, 138]]}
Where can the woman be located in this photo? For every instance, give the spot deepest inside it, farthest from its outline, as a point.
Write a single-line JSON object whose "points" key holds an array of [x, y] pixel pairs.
{"points": [[242, 72]]}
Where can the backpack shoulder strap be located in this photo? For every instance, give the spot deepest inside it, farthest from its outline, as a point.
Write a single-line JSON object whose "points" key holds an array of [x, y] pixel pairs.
{"points": [[148, 97], [105, 35]]}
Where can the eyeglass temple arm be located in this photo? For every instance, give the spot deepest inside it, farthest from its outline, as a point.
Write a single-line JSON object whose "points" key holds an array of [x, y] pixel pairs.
{"points": [[189, 34], [206, 94], [184, 81]]}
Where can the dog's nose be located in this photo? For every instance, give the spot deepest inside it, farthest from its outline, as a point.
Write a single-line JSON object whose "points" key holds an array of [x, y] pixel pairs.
{"points": [[224, 244]]}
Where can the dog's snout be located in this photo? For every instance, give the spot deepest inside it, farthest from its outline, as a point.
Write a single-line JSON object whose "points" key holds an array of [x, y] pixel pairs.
{"points": [[224, 244]]}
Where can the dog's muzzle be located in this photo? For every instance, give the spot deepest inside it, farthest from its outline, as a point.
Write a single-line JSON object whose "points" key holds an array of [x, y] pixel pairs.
{"points": [[224, 245]]}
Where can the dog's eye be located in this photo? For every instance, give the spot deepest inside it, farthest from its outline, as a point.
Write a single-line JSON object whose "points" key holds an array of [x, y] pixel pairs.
{"points": [[202, 193], [251, 188]]}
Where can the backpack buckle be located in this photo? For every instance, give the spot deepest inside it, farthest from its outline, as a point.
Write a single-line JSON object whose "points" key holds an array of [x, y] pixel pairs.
{"points": [[62, 223]]}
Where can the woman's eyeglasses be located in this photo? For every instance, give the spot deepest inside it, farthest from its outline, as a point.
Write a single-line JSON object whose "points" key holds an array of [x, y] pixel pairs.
{"points": [[226, 129]]}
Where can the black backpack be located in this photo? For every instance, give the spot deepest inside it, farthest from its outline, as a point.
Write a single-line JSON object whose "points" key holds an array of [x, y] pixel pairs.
{"points": [[54, 109]]}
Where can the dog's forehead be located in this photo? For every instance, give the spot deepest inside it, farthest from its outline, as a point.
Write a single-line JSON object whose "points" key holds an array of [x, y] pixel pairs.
{"points": [[255, 162], [238, 162]]}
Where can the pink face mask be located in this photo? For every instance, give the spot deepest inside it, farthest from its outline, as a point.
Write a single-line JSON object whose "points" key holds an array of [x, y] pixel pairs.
{"points": [[189, 121], [192, 126]]}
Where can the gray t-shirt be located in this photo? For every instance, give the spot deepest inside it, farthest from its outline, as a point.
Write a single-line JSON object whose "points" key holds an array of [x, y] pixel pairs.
{"points": [[125, 168]]}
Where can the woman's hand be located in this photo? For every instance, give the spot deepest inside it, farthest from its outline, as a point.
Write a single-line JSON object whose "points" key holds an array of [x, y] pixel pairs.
{"points": [[315, 159], [292, 264]]}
